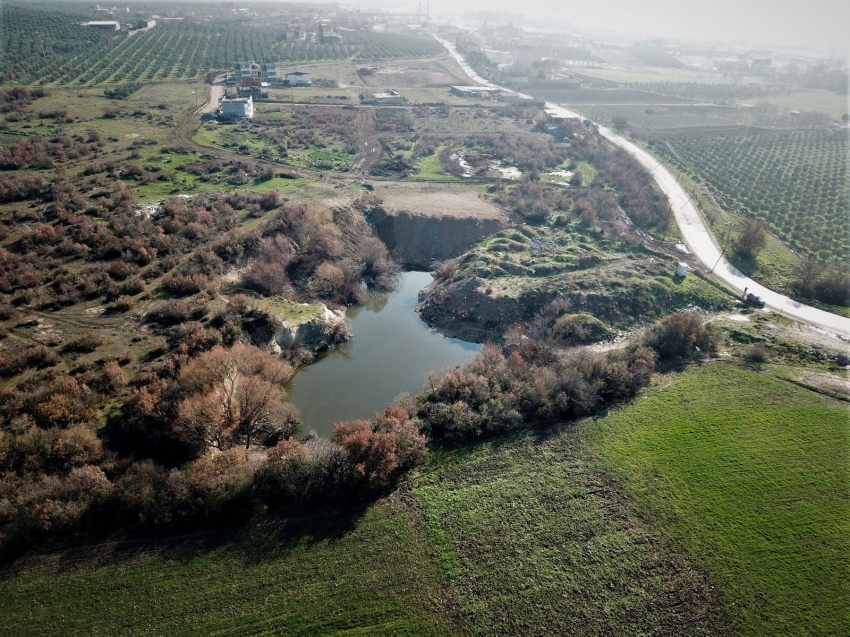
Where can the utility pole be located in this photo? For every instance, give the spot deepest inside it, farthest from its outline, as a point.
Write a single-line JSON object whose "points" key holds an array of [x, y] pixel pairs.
{"points": [[723, 251]]}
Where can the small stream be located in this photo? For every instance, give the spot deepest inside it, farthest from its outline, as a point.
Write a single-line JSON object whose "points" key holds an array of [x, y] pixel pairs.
{"points": [[392, 352]]}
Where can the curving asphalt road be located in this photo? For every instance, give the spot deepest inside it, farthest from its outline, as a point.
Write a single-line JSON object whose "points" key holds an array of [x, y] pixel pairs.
{"points": [[699, 239]]}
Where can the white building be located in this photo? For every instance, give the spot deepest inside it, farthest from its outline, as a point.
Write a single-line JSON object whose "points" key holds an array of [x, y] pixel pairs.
{"points": [[391, 98], [238, 107], [109, 25], [266, 71], [298, 78], [474, 91]]}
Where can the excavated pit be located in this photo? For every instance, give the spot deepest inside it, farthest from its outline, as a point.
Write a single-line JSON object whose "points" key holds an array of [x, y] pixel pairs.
{"points": [[422, 228]]}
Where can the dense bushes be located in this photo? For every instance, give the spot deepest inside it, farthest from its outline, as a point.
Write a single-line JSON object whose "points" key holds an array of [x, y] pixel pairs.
{"points": [[618, 170], [324, 252], [494, 393], [363, 458], [226, 411]]}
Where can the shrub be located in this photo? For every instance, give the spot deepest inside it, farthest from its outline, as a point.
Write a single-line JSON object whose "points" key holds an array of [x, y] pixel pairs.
{"points": [[573, 329], [756, 353], [122, 303], [20, 358], [681, 335], [371, 453], [84, 342], [185, 284]]}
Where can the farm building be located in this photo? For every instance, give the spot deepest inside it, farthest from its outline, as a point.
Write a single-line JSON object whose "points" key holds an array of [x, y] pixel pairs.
{"points": [[512, 96], [108, 25], [238, 107], [387, 99], [556, 117], [146, 24], [474, 91], [298, 78]]}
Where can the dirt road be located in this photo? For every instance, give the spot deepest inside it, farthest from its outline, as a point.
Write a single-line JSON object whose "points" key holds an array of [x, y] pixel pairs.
{"points": [[213, 95], [699, 239]]}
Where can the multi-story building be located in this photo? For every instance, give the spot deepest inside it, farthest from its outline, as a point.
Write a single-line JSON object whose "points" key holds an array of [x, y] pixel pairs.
{"points": [[238, 107], [265, 71]]}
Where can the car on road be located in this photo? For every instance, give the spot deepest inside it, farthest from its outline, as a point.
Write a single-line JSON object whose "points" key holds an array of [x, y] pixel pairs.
{"points": [[755, 301]]}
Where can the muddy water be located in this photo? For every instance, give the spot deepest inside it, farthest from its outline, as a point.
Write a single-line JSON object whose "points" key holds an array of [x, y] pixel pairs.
{"points": [[392, 352]]}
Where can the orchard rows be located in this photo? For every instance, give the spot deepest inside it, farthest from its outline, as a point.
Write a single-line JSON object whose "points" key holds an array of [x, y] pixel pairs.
{"points": [[47, 47], [795, 181]]}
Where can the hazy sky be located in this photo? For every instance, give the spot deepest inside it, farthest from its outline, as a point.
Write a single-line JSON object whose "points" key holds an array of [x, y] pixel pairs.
{"points": [[817, 23]]}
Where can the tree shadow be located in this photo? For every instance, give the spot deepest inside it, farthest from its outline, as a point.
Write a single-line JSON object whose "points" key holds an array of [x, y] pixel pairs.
{"points": [[253, 543]]}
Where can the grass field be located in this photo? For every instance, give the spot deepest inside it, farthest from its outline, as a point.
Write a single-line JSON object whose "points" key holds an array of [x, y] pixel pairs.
{"points": [[430, 168], [536, 541], [329, 575], [652, 74], [750, 476], [828, 102]]}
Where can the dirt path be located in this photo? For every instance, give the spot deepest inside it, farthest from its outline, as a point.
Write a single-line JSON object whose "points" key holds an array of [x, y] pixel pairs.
{"points": [[212, 99], [371, 150]]}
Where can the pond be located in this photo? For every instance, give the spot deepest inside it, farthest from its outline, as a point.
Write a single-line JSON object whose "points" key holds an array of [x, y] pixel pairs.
{"points": [[391, 352]]}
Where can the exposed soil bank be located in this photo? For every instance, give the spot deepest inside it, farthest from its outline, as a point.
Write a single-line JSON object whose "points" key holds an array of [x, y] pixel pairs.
{"points": [[423, 228]]}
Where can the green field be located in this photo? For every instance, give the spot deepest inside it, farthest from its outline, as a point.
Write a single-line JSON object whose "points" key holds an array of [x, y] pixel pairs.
{"points": [[750, 476], [537, 541], [833, 104], [326, 575]]}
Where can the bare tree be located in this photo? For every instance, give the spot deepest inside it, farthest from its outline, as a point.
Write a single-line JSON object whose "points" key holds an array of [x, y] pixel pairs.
{"points": [[751, 239], [807, 273]]}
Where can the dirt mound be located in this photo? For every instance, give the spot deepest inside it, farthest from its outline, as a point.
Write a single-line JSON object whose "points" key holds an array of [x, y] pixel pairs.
{"points": [[421, 228]]}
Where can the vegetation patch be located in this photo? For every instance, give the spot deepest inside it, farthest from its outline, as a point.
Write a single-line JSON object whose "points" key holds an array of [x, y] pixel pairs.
{"points": [[749, 475], [536, 540]]}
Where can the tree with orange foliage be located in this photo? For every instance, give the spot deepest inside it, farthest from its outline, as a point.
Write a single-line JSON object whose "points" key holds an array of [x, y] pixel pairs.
{"points": [[371, 453], [234, 396], [377, 449]]}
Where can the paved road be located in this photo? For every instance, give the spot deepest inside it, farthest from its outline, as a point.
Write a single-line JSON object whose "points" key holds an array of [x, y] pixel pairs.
{"points": [[697, 236]]}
